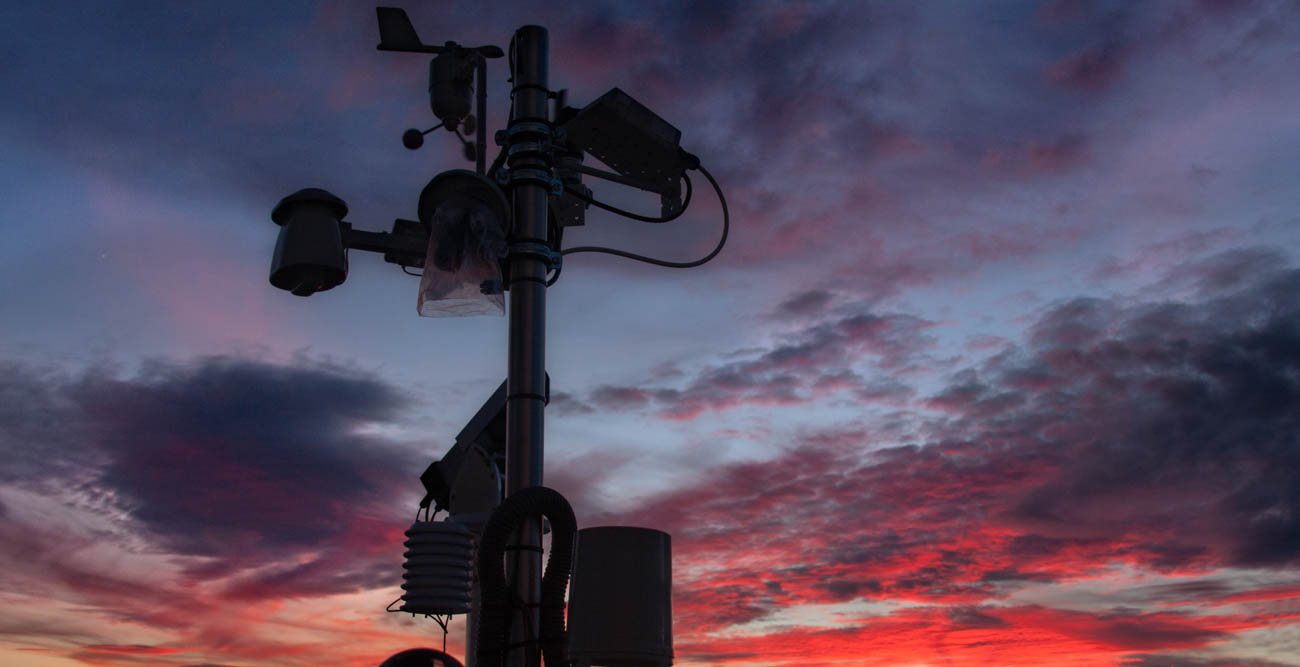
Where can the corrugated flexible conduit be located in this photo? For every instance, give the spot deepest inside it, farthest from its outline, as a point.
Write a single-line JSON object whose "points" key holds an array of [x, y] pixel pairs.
{"points": [[532, 502]]}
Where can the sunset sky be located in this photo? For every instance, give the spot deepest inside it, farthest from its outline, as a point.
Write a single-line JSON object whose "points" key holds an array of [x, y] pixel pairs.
{"points": [[1000, 366]]}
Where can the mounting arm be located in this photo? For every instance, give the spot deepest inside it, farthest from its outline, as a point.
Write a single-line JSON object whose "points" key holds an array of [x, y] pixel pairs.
{"points": [[405, 245]]}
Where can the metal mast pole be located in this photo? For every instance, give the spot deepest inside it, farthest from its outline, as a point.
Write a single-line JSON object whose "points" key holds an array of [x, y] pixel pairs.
{"points": [[480, 138], [529, 163]]}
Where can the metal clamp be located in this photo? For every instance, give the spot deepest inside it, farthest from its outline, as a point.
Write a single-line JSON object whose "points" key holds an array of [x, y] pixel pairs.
{"points": [[536, 251], [505, 136], [510, 177], [557, 135], [539, 147]]}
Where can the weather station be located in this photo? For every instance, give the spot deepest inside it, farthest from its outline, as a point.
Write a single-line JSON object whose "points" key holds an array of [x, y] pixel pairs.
{"points": [[480, 234]]}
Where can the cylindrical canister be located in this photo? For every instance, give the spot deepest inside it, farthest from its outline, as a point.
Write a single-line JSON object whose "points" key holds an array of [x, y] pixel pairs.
{"points": [[620, 601]]}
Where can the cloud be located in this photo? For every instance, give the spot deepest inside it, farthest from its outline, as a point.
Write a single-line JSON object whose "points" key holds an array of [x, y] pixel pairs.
{"points": [[215, 502], [1052, 461], [804, 304], [565, 403], [818, 358], [1148, 436], [1091, 70], [1225, 271], [131, 649], [1166, 254], [880, 153], [242, 463], [1061, 153], [1169, 394], [1175, 660], [41, 434], [619, 398], [1157, 436], [986, 635]]}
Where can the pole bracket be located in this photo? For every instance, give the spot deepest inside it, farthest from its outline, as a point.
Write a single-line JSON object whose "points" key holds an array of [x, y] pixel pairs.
{"points": [[509, 178], [534, 250], [542, 148], [529, 127]]}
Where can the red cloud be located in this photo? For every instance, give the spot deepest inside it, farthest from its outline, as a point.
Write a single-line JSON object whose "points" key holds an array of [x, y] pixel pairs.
{"points": [[133, 649], [974, 636]]}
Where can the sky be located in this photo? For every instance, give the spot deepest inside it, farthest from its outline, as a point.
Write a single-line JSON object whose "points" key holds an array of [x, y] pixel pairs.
{"points": [[1000, 364]]}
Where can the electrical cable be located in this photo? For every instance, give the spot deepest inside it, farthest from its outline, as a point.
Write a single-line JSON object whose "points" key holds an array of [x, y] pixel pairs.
{"points": [[554, 239], [442, 623], [726, 226], [498, 162], [635, 216]]}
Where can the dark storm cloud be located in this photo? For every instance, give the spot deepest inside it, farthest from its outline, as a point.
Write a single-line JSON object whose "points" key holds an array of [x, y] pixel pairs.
{"points": [[210, 452], [242, 463], [41, 433], [1156, 396]]}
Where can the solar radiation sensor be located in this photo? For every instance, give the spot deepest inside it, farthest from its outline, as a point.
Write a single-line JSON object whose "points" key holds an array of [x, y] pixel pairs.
{"points": [[633, 141]]}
